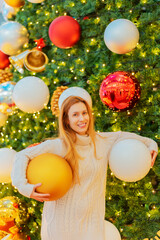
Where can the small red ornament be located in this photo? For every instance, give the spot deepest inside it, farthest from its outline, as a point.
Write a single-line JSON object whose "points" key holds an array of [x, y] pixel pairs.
{"points": [[16, 205], [40, 43], [86, 18], [120, 91], [28, 238], [4, 60], [64, 32]]}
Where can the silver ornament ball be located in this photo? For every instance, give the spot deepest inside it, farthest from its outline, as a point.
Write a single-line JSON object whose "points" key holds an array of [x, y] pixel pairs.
{"points": [[13, 36]]}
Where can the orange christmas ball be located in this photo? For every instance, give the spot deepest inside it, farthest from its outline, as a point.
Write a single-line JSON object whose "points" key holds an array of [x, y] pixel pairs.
{"points": [[53, 172], [15, 3]]}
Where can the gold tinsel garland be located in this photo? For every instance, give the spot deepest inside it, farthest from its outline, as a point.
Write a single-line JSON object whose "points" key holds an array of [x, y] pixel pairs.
{"points": [[54, 100]]}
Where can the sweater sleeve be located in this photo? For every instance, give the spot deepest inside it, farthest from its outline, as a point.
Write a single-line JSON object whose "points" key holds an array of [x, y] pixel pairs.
{"points": [[150, 143], [18, 174], [120, 135]]}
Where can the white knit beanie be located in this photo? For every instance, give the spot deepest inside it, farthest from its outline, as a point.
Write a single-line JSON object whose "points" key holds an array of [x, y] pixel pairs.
{"points": [[77, 92]]}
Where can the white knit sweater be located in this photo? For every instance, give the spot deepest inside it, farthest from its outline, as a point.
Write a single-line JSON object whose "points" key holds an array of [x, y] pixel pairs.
{"points": [[80, 213]]}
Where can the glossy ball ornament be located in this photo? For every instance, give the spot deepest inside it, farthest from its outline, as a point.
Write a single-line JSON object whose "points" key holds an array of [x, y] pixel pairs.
{"points": [[31, 94], [8, 11], [64, 32], [121, 36], [12, 214], [6, 162], [13, 36], [53, 172], [9, 209], [120, 91], [15, 3], [130, 160], [6, 92], [4, 60], [111, 232]]}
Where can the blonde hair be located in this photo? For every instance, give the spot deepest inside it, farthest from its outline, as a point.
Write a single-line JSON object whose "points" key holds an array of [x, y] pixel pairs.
{"points": [[69, 135]]}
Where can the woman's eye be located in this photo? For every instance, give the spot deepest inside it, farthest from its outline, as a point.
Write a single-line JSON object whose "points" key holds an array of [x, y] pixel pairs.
{"points": [[75, 114], [85, 113]]}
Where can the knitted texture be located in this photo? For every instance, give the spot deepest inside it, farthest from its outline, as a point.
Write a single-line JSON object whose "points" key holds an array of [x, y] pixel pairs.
{"points": [[80, 213]]}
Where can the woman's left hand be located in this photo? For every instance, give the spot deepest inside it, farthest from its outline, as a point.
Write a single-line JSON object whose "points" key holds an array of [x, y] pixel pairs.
{"points": [[153, 155]]}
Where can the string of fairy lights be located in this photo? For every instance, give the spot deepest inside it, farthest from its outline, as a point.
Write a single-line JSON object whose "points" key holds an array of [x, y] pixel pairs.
{"points": [[93, 41], [61, 63]]}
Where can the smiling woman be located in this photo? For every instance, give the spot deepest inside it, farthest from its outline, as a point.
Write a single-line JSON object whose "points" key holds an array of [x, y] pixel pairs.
{"points": [[80, 213]]}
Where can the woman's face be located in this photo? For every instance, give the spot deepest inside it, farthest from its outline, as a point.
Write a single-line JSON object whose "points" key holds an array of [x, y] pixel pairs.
{"points": [[78, 118]]}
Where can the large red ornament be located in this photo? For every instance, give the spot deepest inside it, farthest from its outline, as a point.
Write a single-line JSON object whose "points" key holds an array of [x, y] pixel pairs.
{"points": [[4, 60], [120, 91], [64, 32]]}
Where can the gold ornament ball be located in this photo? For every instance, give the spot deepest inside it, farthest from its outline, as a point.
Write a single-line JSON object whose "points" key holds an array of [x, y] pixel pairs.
{"points": [[15, 3], [9, 209], [53, 172]]}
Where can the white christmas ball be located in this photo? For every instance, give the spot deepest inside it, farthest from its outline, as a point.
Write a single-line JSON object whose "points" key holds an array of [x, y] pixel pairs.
{"points": [[35, 1], [3, 118], [111, 232], [13, 36], [121, 36], [6, 162], [31, 94], [130, 160]]}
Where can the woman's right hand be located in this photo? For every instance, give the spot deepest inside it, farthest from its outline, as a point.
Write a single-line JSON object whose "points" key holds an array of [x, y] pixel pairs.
{"points": [[39, 196]]}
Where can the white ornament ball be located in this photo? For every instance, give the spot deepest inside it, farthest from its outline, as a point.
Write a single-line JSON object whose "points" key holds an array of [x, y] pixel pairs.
{"points": [[111, 232], [6, 162], [35, 1], [31, 94], [130, 160], [121, 36], [3, 118], [13, 36]]}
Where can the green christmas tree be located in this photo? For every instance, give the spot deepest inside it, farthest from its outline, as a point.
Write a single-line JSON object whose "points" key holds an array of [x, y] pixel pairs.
{"points": [[134, 208]]}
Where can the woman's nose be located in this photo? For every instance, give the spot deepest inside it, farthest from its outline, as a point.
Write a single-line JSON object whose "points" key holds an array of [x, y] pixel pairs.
{"points": [[81, 117]]}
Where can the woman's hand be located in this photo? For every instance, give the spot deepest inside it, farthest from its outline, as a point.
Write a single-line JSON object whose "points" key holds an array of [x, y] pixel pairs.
{"points": [[153, 155], [39, 196]]}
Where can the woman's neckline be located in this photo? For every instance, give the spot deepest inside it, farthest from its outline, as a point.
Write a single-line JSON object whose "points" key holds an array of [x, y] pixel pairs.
{"points": [[82, 139]]}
